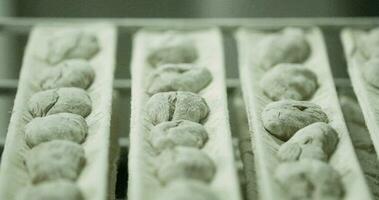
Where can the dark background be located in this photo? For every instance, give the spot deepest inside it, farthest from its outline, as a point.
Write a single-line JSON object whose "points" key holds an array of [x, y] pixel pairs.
{"points": [[195, 8]]}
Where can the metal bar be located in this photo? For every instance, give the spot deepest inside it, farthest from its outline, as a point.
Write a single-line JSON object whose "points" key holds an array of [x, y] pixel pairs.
{"points": [[122, 84], [132, 24], [8, 84], [125, 84], [122, 141], [223, 22], [11, 84], [342, 82]]}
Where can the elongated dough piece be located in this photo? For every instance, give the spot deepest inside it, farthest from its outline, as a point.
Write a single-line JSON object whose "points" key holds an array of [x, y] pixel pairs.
{"points": [[55, 190], [246, 145], [61, 126], [143, 183], [93, 180], [361, 139], [326, 97], [367, 94], [69, 100], [187, 190], [57, 159]]}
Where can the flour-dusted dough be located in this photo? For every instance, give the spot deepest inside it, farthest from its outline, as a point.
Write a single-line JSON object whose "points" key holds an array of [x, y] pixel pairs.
{"points": [[289, 81], [315, 141], [27, 136], [185, 163], [362, 142], [166, 106], [361, 48], [69, 100], [179, 77], [370, 165], [64, 126], [57, 159], [187, 190], [69, 73], [351, 110], [70, 44], [289, 46], [360, 137], [371, 71], [56, 190], [369, 45], [355, 122], [343, 160], [172, 48], [310, 179], [178, 133], [283, 118]]}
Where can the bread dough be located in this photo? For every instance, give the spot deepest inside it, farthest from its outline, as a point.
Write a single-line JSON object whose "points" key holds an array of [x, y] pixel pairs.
{"points": [[56, 190], [283, 118], [167, 106], [360, 137], [185, 163], [187, 190], [57, 159], [370, 166], [309, 179], [371, 71], [61, 126], [289, 81], [356, 124], [70, 100], [288, 46], [315, 141], [178, 77], [69, 73], [70, 44], [351, 110], [369, 44], [362, 142], [172, 48], [178, 133]]}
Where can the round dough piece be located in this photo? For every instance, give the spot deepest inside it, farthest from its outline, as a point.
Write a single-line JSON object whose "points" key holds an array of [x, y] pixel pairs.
{"points": [[54, 160], [69, 100], [69, 73], [71, 44], [289, 81], [309, 179], [56, 190], [371, 72], [178, 133], [187, 190], [283, 118], [172, 48], [315, 141], [179, 77], [168, 106], [351, 110], [185, 163], [61, 126], [288, 46], [369, 44]]}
